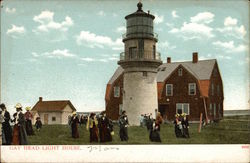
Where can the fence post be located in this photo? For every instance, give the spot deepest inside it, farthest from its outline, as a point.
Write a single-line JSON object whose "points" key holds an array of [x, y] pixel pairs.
{"points": [[199, 129]]}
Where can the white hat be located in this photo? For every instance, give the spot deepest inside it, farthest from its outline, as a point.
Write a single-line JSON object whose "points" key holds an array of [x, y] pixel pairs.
{"points": [[28, 108], [18, 105]]}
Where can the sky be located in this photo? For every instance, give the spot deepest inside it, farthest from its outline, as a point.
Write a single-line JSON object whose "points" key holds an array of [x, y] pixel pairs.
{"points": [[68, 50]]}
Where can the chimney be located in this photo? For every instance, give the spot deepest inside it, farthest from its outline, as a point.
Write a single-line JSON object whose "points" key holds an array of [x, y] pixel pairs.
{"points": [[195, 57], [40, 99], [168, 60]]}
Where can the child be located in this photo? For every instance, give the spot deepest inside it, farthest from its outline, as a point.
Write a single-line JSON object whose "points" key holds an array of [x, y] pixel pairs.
{"points": [[38, 124]]}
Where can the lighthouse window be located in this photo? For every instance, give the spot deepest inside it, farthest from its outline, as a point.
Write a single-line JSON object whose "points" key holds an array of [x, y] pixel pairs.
{"points": [[117, 91], [144, 73], [141, 47], [132, 52], [191, 88]]}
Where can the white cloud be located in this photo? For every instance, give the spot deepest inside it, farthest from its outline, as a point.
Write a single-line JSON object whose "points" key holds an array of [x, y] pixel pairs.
{"points": [[113, 58], [10, 10], [121, 29], [203, 18], [174, 15], [158, 19], [232, 29], [229, 21], [101, 13], [193, 31], [165, 45], [87, 59], [92, 40], [15, 31], [47, 23], [230, 47], [197, 28], [55, 54], [114, 15]]}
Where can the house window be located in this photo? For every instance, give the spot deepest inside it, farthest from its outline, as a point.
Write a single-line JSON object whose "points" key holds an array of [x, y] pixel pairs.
{"points": [[212, 89], [191, 88], [53, 118], [169, 89], [180, 72], [211, 108], [214, 109], [132, 53], [116, 91], [182, 108], [120, 109], [219, 111], [218, 90]]}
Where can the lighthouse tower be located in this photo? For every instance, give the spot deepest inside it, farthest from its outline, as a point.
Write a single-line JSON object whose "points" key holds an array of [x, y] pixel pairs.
{"points": [[140, 62]]}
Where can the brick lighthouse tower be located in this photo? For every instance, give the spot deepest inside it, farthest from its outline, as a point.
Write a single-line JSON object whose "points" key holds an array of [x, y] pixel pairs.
{"points": [[140, 62]]}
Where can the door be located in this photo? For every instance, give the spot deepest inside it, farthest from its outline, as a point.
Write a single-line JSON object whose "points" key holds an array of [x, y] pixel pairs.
{"points": [[163, 110], [46, 119]]}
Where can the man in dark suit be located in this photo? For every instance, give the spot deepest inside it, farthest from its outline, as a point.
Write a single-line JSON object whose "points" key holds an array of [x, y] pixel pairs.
{"points": [[6, 128]]}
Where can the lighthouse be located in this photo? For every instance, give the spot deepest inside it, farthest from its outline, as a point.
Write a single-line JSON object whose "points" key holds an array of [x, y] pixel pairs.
{"points": [[140, 61]]}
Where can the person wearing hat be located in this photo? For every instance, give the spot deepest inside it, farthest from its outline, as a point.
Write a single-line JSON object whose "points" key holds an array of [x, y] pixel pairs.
{"points": [[177, 124], [92, 126], [38, 123], [185, 126], [158, 120], [104, 128], [123, 123], [28, 117], [154, 135], [6, 128], [74, 125], [19, 131]]}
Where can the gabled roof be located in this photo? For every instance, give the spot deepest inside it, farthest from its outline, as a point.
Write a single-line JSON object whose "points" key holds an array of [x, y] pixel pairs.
{"points": [[52, 106], [201, 70], [117, 73]]}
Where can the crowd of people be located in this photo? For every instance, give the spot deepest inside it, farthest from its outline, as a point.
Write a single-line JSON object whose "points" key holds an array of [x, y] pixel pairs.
{"points": [[17, 135], [100, 127], [181, 126]]}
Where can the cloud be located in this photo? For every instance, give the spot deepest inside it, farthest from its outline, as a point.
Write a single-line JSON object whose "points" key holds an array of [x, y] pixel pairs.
{"points": [[158, 19], [203, 18], [15, 31], [121, 29], [47, 23], [101, 13], [55, 54], [92, 40], [10, 10], [230, 47], [197, 28], [174, 15], [165, 45], [229, 21], [232, 29], [87, 59]]}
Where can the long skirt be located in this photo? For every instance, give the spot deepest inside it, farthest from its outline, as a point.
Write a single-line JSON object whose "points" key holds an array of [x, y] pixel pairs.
{"points": [[185, 133], [7, 133], [154, 136], [124, 134], [93, 134], [15, 140], [178, 132], [75, 133], [105, 135], [29, 129]]}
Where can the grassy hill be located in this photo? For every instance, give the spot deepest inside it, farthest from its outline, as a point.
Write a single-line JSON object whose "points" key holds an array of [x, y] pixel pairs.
{"points": [[231, 130]]}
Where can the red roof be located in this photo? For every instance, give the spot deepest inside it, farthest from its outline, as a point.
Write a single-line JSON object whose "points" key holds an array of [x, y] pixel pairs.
{"points": [[52, 106]]}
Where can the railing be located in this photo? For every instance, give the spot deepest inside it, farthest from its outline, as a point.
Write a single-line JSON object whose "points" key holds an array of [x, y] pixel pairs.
{"points": [[154, 35], [140, 55]]}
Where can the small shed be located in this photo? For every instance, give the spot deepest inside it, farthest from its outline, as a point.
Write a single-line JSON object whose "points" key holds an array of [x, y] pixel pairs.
{"points": [[53, 112]]}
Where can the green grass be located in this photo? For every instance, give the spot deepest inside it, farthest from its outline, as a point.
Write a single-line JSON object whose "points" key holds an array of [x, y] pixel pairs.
{"points": [[231, 130]]}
